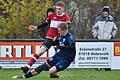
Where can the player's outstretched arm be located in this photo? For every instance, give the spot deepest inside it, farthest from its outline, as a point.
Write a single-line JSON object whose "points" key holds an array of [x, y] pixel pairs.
{"points": [[33, 27], [42, 25]]}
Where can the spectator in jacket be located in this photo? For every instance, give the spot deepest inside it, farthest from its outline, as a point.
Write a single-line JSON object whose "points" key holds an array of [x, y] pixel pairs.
{"points": [[104, 27]]}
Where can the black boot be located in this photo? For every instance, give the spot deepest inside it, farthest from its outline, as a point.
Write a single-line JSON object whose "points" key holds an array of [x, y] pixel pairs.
{"points": [[25, 69]]}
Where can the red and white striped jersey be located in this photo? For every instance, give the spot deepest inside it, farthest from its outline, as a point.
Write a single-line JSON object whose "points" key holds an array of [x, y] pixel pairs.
{"points": [[55, 20]]}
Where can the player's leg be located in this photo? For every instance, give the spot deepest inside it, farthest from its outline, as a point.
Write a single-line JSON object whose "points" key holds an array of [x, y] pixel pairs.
{"points": [[61, 65], [39, 69], [49, 63], [46, 45], [53, 61]]}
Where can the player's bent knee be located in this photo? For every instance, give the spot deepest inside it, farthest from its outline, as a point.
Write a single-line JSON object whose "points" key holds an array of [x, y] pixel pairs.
{"points": [[42, 50], [52, 70]]}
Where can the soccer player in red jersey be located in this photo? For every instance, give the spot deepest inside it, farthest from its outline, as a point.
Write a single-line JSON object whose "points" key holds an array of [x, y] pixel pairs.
{"points": [[61, 60], [51, 37], [43, 30]]}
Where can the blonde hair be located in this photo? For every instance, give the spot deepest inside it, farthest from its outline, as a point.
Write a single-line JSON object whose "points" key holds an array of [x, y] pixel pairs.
{"points": [[63, 26]]}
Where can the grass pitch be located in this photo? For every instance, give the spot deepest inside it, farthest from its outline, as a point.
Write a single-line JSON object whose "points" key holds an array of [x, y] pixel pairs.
{"points": [[69, 74]]}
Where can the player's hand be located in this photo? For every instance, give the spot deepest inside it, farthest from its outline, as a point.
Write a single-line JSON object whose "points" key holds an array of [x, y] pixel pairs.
{"points": [[55, 38], [32, 27]]}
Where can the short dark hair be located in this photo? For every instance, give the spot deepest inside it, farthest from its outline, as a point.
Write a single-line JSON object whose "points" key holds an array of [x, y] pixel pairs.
{"points": [[60, 3], [63, 26], [50, 10]]}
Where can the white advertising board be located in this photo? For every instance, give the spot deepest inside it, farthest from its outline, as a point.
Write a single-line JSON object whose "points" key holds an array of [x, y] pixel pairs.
{"points": [[93, 54]]}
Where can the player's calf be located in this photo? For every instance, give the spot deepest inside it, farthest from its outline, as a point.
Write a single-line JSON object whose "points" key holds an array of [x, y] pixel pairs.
{"points": [[33, 60]]}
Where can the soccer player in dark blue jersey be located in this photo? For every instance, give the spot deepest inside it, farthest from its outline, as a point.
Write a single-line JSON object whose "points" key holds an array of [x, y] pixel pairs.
{"points": [[61, 60]]}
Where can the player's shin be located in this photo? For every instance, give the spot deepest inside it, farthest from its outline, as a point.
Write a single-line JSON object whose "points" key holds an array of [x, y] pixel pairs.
{"points": [[30, 63], [43, 67], [36, 56], [33, 59], [28, 75]]}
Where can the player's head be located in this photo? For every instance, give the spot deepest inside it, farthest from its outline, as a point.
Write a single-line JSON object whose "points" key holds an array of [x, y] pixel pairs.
{"points": [[50, 11], [63, 29], [60, 5], [105, 10]]}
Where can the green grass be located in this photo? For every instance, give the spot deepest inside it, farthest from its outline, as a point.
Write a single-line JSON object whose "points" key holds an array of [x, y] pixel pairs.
{"points": [[69, 74]]}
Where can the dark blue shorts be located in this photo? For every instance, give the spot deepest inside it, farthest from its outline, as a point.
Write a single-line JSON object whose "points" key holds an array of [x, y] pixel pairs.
{"points": [[59, 62]]}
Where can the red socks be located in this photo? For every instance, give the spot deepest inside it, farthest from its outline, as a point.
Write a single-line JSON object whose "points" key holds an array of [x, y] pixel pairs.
{"points": [[33, 59]]}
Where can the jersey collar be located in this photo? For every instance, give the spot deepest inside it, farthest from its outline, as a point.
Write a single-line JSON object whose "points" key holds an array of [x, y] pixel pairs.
{"points": [[61, 14]]}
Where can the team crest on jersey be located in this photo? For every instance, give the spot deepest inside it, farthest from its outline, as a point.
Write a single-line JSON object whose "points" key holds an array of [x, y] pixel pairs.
{"points": [[54, 17], [64, 40]]}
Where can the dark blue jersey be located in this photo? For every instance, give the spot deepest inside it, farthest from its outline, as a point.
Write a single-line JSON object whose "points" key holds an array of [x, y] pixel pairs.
{"points": [[67, 47]]}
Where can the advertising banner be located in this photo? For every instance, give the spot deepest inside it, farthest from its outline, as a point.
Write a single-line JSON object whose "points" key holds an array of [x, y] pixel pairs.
{"points": [[88, 54], [93, 54], [17, 54]]}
